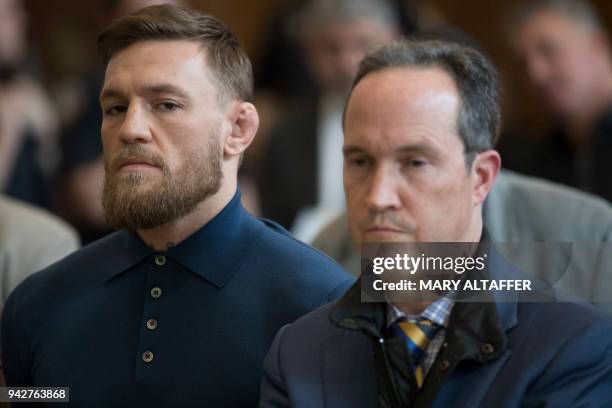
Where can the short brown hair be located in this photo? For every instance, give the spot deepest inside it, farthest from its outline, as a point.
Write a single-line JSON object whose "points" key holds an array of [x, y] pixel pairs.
{"points": [[226, 58]]}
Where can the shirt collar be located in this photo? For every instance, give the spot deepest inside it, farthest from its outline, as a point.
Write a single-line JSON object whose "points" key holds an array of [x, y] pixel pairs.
{"points": [[214, 252], [438, 312]]}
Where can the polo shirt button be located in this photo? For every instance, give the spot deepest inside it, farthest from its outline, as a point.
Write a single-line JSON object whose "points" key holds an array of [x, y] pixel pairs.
{"points": [[160, 260], [156, 292], [147, 356], [151, 324], [444, 364], [487, 348]]}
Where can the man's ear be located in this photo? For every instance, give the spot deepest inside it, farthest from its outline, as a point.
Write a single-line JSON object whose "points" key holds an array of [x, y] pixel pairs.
{"points": [[485, 168], [244, 121]]}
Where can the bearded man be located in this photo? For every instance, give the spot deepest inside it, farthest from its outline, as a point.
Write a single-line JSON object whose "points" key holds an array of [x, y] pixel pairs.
{"points": [[178, 307]]}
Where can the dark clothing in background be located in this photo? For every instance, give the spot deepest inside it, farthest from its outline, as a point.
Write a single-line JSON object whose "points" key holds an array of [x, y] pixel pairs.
{"points": [[288, 178], [555, 159], [82, 142], [82, 145], [282, 68], [26, 181]]}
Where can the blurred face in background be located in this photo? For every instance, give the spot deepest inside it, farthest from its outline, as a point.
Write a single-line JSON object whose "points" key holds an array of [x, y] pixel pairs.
{"points": [[162, 133], [565, 61], [13, 42], [334, 50], [405, 172]]}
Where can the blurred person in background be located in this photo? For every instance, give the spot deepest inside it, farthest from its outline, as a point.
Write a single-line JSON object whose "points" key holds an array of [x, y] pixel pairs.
{"points": [[82, 169], [565, 50], [301, 178], [282, 72], [30, 240], [28, 123]]}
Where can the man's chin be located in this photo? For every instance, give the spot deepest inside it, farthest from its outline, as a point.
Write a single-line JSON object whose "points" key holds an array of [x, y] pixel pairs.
{"points": [[138, 215]]}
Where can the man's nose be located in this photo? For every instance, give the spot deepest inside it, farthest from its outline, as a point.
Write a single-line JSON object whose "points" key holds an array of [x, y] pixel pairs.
{"points": [[135, 127], [383, 194]]}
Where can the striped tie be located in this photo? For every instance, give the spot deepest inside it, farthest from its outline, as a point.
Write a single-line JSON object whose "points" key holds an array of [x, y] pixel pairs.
{"points": [[417, 336]]}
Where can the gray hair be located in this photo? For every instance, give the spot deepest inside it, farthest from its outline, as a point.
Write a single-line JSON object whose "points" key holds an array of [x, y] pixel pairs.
{"points": [[478, 120], [317, 13], [580, 11]]}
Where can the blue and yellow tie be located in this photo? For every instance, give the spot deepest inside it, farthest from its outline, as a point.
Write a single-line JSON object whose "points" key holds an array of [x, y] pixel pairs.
{"points": [[417, 336]]}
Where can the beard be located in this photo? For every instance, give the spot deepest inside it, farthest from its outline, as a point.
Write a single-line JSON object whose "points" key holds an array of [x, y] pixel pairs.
{"points": [[133, 202]]}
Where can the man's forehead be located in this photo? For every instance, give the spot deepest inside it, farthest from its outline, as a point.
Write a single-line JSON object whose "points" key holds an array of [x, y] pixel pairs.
{"points": [[399, 94], [435, 144], [403, 106], [166, 57], [149, 63], [397, 82]]}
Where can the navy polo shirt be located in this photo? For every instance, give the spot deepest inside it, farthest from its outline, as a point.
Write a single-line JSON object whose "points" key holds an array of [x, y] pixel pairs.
{"points": [[123, 325]]}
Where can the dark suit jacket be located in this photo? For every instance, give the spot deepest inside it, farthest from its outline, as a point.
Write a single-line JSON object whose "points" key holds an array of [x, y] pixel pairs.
{"points": [[288, 178], [541, 354]]}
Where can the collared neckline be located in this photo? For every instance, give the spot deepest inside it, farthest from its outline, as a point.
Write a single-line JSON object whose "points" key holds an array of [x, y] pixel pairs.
{"points": [[351, 313], [214, 252], [437, 312]]}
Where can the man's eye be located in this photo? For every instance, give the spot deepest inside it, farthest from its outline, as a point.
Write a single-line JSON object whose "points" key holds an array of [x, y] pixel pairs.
{"points": [[415, 163], [115, 110], [359, 162], [168, 106]]}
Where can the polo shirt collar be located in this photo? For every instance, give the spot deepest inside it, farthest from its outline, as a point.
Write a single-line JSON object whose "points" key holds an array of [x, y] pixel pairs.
{"points": [[214, 252], [218, 249]]}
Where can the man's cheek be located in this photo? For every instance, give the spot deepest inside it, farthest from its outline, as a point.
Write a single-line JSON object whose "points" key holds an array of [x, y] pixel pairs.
{"points": [[352, 199]]}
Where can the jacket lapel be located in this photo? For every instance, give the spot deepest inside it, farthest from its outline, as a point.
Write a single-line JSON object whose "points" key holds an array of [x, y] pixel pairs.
{"points": [[469, 383]]}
